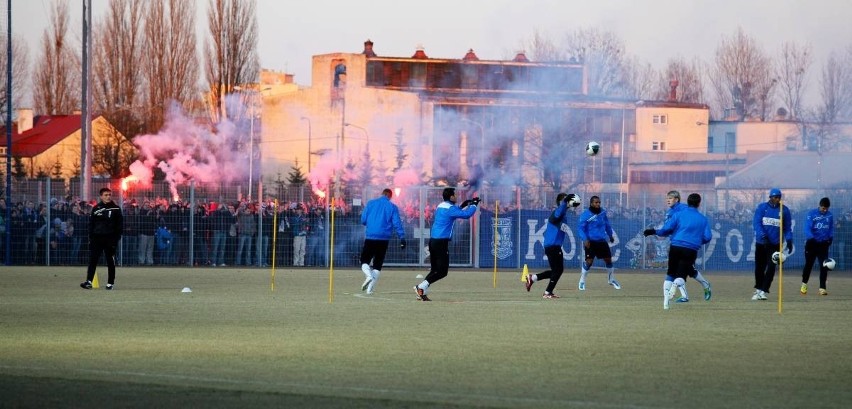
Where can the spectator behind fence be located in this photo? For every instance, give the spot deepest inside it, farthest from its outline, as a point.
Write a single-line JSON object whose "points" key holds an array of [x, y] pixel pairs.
{"points": [[316, 238], [246, 231], [201, 224], [267, 229], [221, 222], [146, 222], [299, 225], [130, 240]]}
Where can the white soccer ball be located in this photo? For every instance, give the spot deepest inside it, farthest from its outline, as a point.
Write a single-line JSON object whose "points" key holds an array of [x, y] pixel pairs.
{"points": [[574, 200], [829, 263], [592, 148], [778, 257]]}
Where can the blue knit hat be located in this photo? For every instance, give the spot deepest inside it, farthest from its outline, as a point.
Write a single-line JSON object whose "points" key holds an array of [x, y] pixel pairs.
{"points": [[775, 192]]}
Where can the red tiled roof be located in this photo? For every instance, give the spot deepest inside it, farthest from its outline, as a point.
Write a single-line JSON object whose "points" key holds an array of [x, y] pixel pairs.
{"points": [[47, 131]]}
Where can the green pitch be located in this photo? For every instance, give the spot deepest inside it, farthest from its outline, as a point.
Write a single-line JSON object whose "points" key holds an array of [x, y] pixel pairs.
{"points": [[232, 342]]}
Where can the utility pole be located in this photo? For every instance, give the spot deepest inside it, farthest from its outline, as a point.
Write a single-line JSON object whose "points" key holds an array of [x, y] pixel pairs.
{"points": [[86, 121]]}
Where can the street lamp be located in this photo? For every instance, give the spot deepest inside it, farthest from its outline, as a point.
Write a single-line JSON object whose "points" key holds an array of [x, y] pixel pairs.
{"points": [[367, 134], [252, 106], [304, 118]]}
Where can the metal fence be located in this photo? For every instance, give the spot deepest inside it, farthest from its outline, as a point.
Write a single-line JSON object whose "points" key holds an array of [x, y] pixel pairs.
{"points": [[214, 225]]}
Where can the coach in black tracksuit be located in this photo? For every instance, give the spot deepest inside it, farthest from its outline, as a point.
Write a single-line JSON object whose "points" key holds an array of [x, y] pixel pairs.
{"points": [[105, 227]]}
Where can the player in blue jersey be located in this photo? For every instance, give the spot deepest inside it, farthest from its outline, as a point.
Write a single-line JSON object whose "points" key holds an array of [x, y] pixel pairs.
{"points": [[767, 240], [442, 232], [381, 218], [689, 230], [819, 233], [553, 238], [596, 234], [675, 205]]}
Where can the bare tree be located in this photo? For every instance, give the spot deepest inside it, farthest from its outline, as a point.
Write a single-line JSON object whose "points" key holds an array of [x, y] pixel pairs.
{"points": [[541, 48], [639, 79], [113, 153], [117, 66], [20, 71], [741, 77], [231, 50], [56, 88], [836, 88], [171, 64], [836, 93], [690, 87], [791, 69], [603, 53]]}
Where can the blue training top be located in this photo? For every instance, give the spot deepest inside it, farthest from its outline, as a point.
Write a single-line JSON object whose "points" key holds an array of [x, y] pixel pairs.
{"points": [[381, 217], [688, 228], [674, 209], [445, 214], [818, 226], [594, 226], [766, 221], [553, 234]]}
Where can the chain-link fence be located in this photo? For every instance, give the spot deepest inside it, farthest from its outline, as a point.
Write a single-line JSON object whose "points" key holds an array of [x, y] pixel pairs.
{"points": [[214, 225]]}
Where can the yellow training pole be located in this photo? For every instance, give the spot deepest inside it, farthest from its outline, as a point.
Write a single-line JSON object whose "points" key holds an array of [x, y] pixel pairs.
{"points": [[781, 255], [274, 244], [331, 258], [496, 237]]}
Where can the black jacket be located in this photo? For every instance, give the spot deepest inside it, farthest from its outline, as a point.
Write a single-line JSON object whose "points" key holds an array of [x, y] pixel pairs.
{"points": [[106, 221]]}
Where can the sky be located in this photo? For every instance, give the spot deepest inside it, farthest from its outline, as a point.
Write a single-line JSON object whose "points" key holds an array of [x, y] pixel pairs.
{"points": [[291, 31]]}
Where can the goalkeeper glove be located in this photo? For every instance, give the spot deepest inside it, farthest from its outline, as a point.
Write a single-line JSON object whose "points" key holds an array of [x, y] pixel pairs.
{"points": [[649, 232]]}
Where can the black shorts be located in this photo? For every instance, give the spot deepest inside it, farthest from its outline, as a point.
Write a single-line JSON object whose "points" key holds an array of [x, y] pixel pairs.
{"points": [[599, 250]]}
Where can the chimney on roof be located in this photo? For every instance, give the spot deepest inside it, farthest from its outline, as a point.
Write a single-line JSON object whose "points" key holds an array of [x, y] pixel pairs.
{"points": [[368, 49], [470, 56], [419, 54], [25, 119], [673, 90], [520, 57]]}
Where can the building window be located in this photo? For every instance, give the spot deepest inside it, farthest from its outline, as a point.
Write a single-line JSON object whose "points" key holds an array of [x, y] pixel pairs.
{"points": [[710, 148], [661, 119], [730, 142], [658, 146]]}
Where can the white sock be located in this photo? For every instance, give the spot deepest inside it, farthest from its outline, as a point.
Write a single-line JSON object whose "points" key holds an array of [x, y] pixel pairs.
{"points": [[667, 288], [372, 284], [533, 277], [681, 285], [583, 273], [365, 268], [700, 278], [611, 273], [423, 286]]}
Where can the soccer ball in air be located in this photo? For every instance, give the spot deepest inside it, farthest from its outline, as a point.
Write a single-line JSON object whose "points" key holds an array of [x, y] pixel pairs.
{"points": [[592, 148], [829, 263], [778, 257]]}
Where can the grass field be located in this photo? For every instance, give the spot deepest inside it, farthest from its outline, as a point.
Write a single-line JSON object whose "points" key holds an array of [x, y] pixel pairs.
{"points": [[233, 342]]}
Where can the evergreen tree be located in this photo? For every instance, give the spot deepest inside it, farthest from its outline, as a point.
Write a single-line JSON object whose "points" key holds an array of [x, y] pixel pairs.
{"points": [[56, 171], [296, 177], [18, 169], [401, 156]]}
